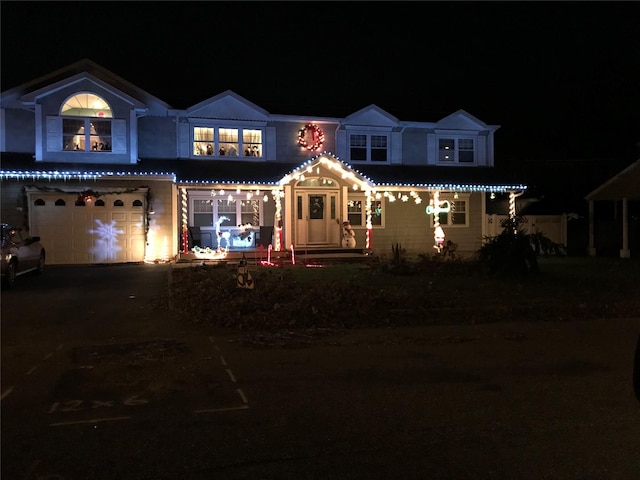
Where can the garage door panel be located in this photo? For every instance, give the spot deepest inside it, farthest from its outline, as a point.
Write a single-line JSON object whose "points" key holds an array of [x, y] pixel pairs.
{"points": [[90, 234]]}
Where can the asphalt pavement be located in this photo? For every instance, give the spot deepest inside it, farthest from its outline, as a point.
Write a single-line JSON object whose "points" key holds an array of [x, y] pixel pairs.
{"points": [[101, 380]]}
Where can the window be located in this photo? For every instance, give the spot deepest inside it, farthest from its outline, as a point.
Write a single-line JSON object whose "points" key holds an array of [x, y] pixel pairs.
{"points": [[465, 150], [460, 150], [202, 213], [368, 148], [227, 208], [86, 124], [227, 142], [358, 147], [238, 211], [457, 214], [356, 212], [250, 212]]}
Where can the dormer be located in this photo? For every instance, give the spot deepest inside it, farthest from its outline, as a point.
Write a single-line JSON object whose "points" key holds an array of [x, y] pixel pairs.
{"points": [[227, 127], [370, 135], [460, 139]]}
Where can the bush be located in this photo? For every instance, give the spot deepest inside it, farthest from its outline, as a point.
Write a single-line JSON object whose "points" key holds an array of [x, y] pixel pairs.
{"points": [[510, 252]]}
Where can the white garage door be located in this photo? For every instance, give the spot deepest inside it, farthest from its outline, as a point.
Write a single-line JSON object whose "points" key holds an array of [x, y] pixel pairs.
{"points": [[108, 229]]}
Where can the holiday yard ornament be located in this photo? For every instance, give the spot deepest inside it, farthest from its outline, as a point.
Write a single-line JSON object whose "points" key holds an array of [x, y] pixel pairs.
{"points": [[244, 277], [348, 235], [311, 137], [439, 238]]}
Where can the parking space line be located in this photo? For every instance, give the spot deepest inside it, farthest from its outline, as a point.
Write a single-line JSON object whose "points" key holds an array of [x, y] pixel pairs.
{"points": [[93, 420], [244, 399], [6, 393], [229, 409]]}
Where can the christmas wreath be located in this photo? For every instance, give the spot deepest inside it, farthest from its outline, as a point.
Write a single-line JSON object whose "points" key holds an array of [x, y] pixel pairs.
{"points": [[311, 137]]}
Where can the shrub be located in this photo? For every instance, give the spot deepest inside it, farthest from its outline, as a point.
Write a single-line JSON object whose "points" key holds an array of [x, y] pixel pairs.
{"points": [[509, 252]]}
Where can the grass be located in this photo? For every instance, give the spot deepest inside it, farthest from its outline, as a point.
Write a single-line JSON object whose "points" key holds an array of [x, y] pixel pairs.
{"points": [[430, 291]]}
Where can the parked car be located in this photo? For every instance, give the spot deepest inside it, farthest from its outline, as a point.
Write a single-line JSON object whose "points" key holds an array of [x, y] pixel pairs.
{"points": [[21, 254]]}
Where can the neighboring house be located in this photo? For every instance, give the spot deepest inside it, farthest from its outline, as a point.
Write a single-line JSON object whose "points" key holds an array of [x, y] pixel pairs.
{"points": [[105, 172], [614, 214]]}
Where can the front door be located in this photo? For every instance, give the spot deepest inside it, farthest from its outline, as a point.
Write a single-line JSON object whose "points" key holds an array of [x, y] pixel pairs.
{"points": [[316, 215]]}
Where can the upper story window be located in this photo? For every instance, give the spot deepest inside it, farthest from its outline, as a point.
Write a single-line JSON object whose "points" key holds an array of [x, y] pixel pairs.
{"points": [[368, 148], [456, 150], [86, 124], [227, 142]]}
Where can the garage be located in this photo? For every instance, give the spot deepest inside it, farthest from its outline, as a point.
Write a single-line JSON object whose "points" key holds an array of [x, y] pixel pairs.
{"points": [[89, 228]]}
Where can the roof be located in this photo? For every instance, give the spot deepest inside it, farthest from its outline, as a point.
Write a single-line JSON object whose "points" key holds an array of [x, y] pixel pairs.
{"points": [[205, 172], [625, 184]]}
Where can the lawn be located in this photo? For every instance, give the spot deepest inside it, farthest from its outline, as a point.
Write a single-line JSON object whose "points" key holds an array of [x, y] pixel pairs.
{"points": [[368, 294]]}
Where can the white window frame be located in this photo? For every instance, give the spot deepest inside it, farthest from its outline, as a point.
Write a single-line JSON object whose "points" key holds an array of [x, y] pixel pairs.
{"points": [[363, 202], [370, 146], [244, 142], [237, 197], [455, 151], [463, 199]]}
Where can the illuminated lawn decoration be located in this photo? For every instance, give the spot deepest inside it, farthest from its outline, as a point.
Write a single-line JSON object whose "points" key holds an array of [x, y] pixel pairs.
{"points": [[220, 235], [268, 262], [434, 208], [106, 245], [444, 207], [209, 253], [185, 236]]}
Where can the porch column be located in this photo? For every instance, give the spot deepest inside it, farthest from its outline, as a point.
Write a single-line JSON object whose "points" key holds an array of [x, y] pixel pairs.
{"points": [[625, 252], [591, 249]]}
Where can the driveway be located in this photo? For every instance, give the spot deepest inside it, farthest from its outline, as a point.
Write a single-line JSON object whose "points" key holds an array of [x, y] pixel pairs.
{"points": [[102, 380]]}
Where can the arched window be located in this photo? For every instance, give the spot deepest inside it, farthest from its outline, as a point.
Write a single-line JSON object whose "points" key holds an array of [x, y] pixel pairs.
{"points": [[86, 123], [118, 203], [60, 203], [39, 202], [99, 203], [137, 203]]}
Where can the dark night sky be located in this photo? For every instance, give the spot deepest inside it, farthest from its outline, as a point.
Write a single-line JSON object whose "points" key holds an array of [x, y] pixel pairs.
{"points": [[561, 78]]}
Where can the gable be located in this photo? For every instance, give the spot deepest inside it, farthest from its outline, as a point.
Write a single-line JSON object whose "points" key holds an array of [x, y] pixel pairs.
{"points": [[227, 105], [328, 165], [80, 82], [625, 184], [371, 116], [462, 120], [80, 73]]}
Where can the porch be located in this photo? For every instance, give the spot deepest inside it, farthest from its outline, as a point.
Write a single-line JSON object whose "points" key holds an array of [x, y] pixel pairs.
{"points": [[261, 256]]}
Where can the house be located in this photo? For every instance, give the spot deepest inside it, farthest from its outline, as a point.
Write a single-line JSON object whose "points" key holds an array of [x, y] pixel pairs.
{"points": [[614, 214], [105, 172]]}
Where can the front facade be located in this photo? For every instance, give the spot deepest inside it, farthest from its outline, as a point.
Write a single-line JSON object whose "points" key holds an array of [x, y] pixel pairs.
{"points": [[105, 172]]}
